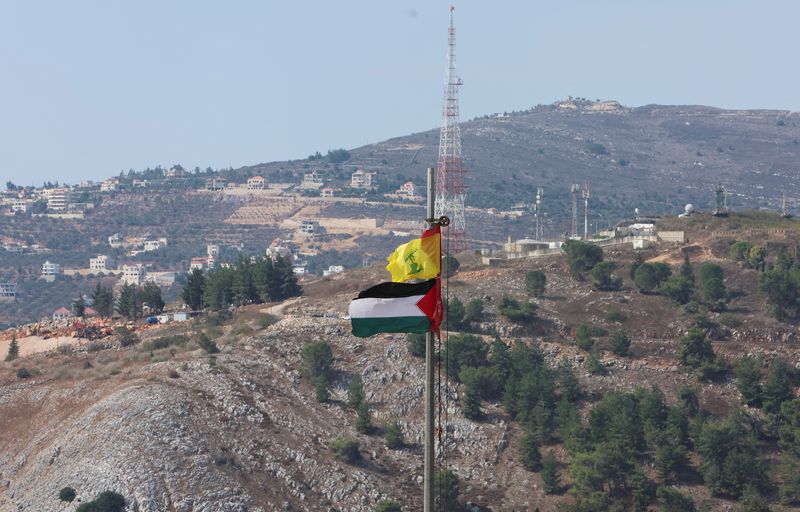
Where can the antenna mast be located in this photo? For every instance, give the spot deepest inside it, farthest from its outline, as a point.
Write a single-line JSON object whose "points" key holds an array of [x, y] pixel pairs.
{"points": [[450, 189], [575, 188], [538, 213], [586, 209]]}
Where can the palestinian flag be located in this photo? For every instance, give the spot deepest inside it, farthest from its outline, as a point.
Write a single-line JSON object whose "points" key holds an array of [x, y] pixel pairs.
{"points": [[397, 307]]}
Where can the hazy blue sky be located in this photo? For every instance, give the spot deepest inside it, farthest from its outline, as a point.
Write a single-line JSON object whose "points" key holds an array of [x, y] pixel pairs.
{"points": [[88, 88]]}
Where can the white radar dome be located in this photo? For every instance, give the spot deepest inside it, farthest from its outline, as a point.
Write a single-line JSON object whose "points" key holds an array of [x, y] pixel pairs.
{"points": [[689, 208]]}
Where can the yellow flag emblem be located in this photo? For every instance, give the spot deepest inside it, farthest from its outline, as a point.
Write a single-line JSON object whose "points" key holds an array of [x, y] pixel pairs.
{"points": [[417, 259]]}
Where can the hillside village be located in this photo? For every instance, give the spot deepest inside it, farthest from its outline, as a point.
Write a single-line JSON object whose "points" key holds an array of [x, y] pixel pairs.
{"points": [[347, 208]]}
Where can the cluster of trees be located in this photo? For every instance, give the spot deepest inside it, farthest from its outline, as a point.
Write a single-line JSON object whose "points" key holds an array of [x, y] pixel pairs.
{"points": [[697, 353], [754, 256], [131, 302], [658, 278], [581, 257], [460, 317], [781, 286], [245, 282]]}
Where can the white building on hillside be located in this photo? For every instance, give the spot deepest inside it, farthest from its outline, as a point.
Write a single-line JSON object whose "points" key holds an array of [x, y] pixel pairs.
{"points": [[256, 183], [50, 270], [363, 179], [134, 274], [101, 262], [57, 198]]}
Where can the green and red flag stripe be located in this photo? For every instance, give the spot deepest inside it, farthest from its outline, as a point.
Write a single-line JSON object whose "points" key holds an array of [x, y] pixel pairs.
{"points": [[397, 307]]}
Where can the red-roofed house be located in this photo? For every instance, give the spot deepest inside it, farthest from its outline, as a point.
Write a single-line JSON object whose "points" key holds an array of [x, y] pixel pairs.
{"points": [[62, 313]]}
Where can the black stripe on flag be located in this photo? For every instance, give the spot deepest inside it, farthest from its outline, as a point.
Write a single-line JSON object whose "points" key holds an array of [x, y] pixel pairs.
{"points": [[392, 290]]}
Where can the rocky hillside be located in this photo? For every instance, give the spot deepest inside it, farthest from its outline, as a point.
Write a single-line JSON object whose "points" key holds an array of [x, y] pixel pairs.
{"points": [[171, 426]]}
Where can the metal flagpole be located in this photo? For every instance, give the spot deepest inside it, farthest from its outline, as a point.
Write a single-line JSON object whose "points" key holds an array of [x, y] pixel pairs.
{"points": [[429, 451]]}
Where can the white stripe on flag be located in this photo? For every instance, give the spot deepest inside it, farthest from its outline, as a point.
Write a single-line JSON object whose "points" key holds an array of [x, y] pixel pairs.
{"points": [[386, 308]]}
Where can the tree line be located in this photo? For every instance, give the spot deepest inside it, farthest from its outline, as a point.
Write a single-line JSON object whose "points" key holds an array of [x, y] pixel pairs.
{"points": [[132, 301], [248, 281]]}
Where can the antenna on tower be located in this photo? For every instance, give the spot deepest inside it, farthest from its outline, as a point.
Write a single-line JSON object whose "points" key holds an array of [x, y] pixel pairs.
{"points": [[450, 189], [574, 190], [586, 209], [538, 213], [720, 201]]}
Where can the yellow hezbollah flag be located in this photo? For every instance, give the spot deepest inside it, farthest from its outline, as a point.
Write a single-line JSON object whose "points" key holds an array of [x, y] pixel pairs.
{"points": [[418, 259]]}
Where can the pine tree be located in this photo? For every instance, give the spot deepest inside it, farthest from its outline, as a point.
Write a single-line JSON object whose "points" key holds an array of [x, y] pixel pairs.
{"points": [[472, 401], [13, 349], [529, 450], [103, 300], [355, 392], [748, 381], [551, 481], [151, 295], [321, 388], [79, 307], [620, 343], [129, 302], [778, 387], [393, 434], [193, 290], [686, 268], [364, 419]]}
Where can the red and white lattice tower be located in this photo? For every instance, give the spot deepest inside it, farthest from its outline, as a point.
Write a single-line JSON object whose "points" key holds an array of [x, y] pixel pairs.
{"points": [[450, 189]]}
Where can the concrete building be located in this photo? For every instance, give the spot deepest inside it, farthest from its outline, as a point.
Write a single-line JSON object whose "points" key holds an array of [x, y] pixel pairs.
{"points": [[8, 292], [57, 198], [363, 179], [139, 183], [109, 185], [256, 183], [115, 240], [216, 184], [134, 274], [312, 179], [326, 192], [175, 172], [50, 270], [154, 244], [672, 236], [278, 249], [525, 248], [19, 205], [212, 250], [333, 269], [408, 189], [309, 227], [101, 262], [198, 263]]}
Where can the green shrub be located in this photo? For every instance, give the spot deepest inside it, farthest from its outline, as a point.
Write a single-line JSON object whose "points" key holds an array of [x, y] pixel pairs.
{"points": [[583, 337], [126, 337], [107, 501], [355, 391], [164, 342], [620, 343], [677, 288], [615, 316], [364, 418], [204, 342], [317, 359], [346, 449], [581, 256], [24, 373], [66, 494], [265, 321], [594, 365], [649, 276], [387, 506], [393, 435], [515, 311], [672, 500], [602, 277], [321, 388], [551, 481], [447, 489], [535, 283]]}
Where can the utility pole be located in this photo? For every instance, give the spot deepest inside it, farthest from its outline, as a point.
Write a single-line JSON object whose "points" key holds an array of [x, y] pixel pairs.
{"points": [[428, 437], [586, 209], [574, 190]]}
